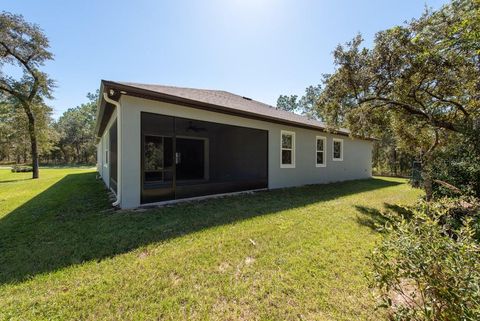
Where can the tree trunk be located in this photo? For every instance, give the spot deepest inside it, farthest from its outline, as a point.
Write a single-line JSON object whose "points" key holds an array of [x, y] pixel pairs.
{"points": [[66, 157], [427, 170], [394, 160], [428, 185], [77, 156], [33, 141]]}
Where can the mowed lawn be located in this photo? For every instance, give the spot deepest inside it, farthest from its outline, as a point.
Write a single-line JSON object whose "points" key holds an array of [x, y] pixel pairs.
{"points": [[293, 254]]}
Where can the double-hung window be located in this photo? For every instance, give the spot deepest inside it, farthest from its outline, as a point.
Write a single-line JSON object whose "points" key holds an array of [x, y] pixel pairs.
{"points": [[337, 149], [320, 151], [105, 148], [287, 149]]}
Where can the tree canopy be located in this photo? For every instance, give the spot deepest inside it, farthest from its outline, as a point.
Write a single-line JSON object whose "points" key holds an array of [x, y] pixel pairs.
{"points": [[76, 130], [426, 71], [306, 105], [24, 45], [420, 79]]}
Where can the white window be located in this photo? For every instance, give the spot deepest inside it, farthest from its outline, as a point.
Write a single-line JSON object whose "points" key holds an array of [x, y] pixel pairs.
{"points": [[320, 151], [337, 149], [105, 148], [287, 149]]}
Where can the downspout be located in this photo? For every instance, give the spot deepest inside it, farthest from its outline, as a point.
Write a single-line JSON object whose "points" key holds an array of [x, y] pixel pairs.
{"points": [[119, 147]]}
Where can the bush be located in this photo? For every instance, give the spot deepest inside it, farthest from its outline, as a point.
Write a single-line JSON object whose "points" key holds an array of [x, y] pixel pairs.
{"points": [[451, 213], [423, 273], [21, 169], [459, 165]]}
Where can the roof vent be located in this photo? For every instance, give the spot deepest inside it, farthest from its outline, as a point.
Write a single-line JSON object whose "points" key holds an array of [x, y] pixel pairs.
{"points": [[247, 98]]}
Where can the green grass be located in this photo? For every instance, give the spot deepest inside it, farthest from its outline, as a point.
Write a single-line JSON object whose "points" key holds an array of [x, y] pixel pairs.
{"points": [[288, 254]]}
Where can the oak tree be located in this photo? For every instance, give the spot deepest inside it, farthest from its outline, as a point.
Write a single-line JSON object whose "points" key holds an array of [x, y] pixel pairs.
{"points": [[421, 80], [24, 45]]}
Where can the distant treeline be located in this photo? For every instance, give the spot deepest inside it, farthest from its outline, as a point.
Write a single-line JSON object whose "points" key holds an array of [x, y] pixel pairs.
{"points": [[68, 140]]}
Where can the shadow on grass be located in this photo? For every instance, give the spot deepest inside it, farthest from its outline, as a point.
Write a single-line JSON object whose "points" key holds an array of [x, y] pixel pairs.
{"points": [[72, 222], [375, 219], [68, 166], [15, 180]]}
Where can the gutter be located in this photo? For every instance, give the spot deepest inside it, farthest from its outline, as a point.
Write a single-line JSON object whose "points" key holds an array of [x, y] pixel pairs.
{"points": [[119, 145]]}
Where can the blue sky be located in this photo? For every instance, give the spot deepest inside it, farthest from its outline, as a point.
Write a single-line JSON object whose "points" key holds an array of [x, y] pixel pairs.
{"points": [[255, 48]]}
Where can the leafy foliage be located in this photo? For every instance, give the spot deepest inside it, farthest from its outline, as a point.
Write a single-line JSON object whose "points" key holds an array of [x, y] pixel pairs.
{"points": [[420, 80], [459, 165], [24, 45], [306, 105], [70, 139], [388, 159], [287, 103], [76, 130], [21, 169], [428, 268], [452, 213], [14, 136]]}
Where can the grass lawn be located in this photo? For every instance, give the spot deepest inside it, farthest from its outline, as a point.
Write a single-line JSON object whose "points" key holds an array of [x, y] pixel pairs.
{"points": [[293, 254]]}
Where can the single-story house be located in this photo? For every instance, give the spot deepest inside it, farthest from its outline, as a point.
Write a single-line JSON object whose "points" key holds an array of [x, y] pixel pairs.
{"points": [[160, 144]]}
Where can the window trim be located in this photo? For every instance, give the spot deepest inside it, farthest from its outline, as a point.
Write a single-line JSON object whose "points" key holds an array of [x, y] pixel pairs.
{"points": [[324, 151], [286, 132], [106, 151], [341, 149]]}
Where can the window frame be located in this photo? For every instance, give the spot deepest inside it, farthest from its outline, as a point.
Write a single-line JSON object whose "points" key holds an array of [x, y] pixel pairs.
{"points": [[324, 151], [286, 132], [106, 150], [341, 149]]}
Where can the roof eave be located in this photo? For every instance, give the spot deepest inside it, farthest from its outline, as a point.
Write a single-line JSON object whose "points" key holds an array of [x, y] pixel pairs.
{"points": [[153, 95]]}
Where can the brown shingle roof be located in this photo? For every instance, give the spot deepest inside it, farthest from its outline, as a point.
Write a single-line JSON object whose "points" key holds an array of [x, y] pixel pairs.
{"points": [[219, 98]]}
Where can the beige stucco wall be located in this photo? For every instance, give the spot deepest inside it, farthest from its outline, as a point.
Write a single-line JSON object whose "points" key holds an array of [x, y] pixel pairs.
{"points": [[356, 164]]}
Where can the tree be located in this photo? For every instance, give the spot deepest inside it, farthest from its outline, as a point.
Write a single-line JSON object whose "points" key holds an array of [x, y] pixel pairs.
{"points": [[420, 79], [13, 140], [24, 45], [287, 103], [306, 105], [76, 129]]}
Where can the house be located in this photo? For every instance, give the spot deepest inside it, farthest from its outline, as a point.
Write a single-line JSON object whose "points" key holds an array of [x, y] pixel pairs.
{"points": [[160, 144]]}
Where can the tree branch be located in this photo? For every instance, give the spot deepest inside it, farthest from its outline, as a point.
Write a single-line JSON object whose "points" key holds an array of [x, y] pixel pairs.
{"points": [[12, 92], [31, 71], [412, 110], [458, 105]]}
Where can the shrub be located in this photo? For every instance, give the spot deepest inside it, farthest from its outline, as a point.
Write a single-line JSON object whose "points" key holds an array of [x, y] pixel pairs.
{"points": [[21, 169], [451, 213], [459, 165], [425, 274]]}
